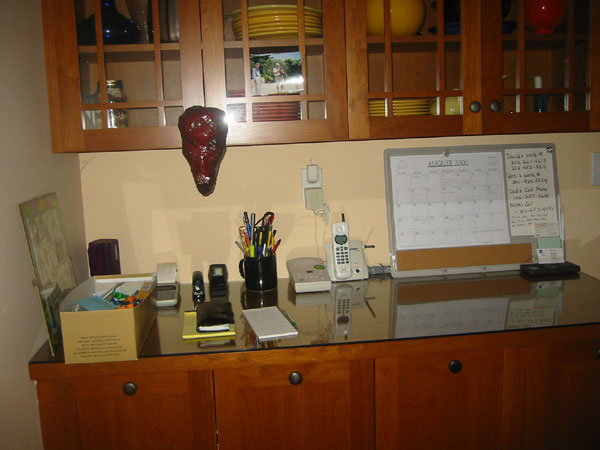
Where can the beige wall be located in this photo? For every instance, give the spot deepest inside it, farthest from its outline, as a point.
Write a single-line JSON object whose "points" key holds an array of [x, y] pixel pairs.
{"points": [[28, 170], [149, 202]]}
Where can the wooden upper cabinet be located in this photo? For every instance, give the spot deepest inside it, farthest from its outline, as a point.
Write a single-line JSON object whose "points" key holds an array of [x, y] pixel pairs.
{"points": [[247, 41], [351, 70], [405, 78], [541, 79], [199, 53], [478, 76], [89, 75]]}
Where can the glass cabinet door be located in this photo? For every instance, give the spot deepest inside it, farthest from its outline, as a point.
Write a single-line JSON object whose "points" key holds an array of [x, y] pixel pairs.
{"points": [[405, 60], [277, 70], [129, 73], [537, 58]]}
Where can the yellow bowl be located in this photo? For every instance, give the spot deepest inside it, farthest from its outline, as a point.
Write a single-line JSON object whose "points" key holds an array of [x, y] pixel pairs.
{"points": [[406, 16]]}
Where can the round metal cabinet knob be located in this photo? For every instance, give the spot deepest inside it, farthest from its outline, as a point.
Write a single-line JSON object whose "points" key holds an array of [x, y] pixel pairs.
{"points": [[295, 378], [475, 107], [598, 353], [129, 388], [455, 366], [496, 106]]}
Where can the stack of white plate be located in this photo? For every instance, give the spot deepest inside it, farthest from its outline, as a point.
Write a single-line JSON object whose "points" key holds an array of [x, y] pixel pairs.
{"points": [[277, 22], [401, 107]]}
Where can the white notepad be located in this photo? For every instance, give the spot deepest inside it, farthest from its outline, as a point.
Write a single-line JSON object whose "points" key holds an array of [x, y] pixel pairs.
{"points": [[269, 323]]}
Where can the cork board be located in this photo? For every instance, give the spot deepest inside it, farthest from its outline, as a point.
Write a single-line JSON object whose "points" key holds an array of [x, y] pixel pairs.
{"points": [[469, 209]]}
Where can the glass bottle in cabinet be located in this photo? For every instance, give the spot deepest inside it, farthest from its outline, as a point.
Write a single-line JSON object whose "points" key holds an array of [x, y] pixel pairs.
{"points": [[136, 44]]}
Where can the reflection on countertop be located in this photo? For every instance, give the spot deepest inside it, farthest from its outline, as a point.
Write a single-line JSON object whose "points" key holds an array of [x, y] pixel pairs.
{"points": [[381, 309]]}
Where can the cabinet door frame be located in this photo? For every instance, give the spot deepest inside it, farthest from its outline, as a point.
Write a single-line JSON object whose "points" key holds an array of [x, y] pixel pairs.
{"points": [[532, 122], [163, 401], [554, 395], [402, 377], [332, 128], [362, 126], [263, 400], [64, 87]]}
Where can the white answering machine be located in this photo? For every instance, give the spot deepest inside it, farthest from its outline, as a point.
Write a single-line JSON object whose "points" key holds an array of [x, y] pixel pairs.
{"points": [[308, 274]]}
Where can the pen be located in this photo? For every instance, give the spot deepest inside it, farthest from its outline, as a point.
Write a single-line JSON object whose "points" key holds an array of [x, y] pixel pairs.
{"points": [[247, 224], [276, 245], [287, 316], [240, 247]]}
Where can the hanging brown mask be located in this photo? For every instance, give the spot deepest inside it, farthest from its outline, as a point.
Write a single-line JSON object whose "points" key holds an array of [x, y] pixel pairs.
{"points": [[203, 134]]}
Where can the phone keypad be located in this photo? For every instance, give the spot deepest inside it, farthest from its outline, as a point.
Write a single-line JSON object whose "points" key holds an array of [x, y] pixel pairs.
{"points": [[342, 255]]}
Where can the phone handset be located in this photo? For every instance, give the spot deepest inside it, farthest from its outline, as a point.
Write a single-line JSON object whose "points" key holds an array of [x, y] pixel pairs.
{"points": [[342, 267]]}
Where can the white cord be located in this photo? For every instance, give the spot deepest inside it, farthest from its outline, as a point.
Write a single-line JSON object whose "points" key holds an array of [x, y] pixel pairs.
{"points": [[324, 214]]}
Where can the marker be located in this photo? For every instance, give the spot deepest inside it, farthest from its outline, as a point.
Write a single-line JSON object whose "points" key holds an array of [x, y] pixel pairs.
{"points": [[287, 316], [276, 245]]}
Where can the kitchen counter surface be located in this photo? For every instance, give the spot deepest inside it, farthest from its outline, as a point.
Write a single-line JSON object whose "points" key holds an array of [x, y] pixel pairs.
{"points": [[384, 309]]}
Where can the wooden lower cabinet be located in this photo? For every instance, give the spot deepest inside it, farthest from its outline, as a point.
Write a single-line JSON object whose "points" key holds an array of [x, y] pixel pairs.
{"points": [[326, 405], [563, 396], [537, 389], [451, 400], [159, 411]]}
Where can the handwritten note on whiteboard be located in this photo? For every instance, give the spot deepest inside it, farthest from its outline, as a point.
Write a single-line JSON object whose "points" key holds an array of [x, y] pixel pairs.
{"points": [[530, 189], [449, 201]]}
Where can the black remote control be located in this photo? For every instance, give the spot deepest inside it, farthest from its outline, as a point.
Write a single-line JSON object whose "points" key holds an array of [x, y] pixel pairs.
{"points": [[541, 270]]}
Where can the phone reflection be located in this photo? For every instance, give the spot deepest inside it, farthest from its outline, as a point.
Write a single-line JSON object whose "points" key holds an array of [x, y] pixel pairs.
{"points": [[334, 308]]}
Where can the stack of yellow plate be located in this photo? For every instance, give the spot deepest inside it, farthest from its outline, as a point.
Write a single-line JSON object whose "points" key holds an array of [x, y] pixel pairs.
{"points": [[277, 21], [411, 106], [377, 108], [401, 107]]}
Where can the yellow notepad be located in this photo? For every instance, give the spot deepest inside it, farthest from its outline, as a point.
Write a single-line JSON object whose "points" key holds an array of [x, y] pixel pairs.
{"points": [[190, 332]]}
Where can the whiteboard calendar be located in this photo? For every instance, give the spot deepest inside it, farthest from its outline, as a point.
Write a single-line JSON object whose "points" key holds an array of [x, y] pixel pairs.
{"points": [[470, 209], [452, 200]]}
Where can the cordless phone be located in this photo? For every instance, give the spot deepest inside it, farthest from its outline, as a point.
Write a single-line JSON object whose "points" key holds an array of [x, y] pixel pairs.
{"points": [[341, 250], [345, 258]]}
